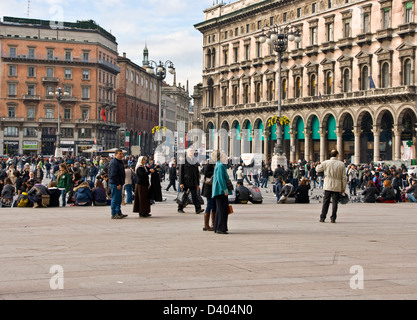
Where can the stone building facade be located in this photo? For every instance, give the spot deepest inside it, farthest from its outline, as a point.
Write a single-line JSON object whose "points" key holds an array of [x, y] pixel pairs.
{"points": [[137, 104], [349, 84], [180, 97], [38, 56]]}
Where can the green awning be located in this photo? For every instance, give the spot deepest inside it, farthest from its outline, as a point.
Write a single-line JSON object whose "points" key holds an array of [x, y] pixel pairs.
{"points": [[300, 129], [238, 131], [287, 133], [331, 128], [273, 130], [261, 127], [315, 128], [249, 127]]}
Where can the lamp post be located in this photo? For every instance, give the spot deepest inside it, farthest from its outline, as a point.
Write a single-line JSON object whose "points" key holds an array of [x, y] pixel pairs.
{"points": [[278, 37], [160, 70], [58, 95]]}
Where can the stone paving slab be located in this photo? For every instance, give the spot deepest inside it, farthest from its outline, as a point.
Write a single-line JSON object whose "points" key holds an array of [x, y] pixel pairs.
{"points": [[272, 252]]}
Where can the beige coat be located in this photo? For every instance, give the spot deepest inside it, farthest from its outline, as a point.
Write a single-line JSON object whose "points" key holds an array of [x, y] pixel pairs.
{"points": [[334, 175]]}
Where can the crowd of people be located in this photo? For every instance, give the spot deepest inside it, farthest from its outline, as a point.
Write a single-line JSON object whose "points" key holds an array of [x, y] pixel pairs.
{"points": [[102, 181], [369, 182]]}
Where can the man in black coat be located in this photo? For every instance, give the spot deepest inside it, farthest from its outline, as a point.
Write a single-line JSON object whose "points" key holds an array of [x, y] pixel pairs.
{"points": [[189, 179], [242, 193], [116, 181]]}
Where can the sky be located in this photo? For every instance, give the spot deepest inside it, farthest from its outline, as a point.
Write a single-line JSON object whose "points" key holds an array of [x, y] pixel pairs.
{"points": [[165, 26]]}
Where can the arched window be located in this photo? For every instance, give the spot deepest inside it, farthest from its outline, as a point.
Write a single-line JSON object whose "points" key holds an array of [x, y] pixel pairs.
{"points": [[258, 92], [224, 98], [312, 85], [346, 80], [385, 75], [271, 90], [298, 87], [208, 59], [407, 72], [213, 58], [235, 96], [329, 82], [210, 93], [365, 78], [246, 93], [284, 89]]}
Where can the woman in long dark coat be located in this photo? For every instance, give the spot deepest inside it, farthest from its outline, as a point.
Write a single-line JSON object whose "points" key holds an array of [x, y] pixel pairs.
{"points": [[155, 191], [141, 202]]}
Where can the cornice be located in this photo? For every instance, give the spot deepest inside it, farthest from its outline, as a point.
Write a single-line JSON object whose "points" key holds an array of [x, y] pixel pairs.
{"points": [[248, 11]]}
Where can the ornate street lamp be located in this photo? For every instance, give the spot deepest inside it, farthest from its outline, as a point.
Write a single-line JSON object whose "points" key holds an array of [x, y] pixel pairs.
{"points": [[58, 95], [278, 37], [160, 70]]}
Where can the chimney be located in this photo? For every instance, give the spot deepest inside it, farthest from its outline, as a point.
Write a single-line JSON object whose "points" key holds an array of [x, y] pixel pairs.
{"points": [[124, 54]]}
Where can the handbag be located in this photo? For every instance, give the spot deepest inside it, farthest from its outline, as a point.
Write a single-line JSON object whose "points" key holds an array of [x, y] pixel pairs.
{"points": [[209, 181], [230, 210], [6, 202], [182, 197], [46, 199]]}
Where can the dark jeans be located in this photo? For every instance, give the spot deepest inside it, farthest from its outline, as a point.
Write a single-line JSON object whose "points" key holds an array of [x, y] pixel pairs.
{"points": [[64, 198], [352, 187], [171, 183], [326, 203], [196, 202], [211, 205]]}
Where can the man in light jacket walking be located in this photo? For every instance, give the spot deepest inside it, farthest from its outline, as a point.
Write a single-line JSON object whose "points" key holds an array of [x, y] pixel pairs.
{"points": [[334, 184]]}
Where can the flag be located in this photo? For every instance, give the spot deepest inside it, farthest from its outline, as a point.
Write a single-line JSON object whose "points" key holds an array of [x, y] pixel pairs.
{"points": [[103, 114], [371, 83]]}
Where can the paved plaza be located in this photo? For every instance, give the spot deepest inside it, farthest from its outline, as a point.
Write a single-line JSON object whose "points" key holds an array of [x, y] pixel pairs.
{"points": [[272, 252]]}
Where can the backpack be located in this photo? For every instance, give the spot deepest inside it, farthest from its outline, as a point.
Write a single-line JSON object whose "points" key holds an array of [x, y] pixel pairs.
{"points": [[23, 201]]}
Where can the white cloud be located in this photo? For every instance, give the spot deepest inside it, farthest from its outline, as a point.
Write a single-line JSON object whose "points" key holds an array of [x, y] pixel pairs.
{"points": [[167, 26]]}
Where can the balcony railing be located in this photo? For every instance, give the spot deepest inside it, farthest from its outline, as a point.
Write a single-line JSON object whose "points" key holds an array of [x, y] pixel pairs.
{"points": [[407, 29], [384, 34], [345, 43], [109, 65], [69, 99], [48, 120], [335, 99], [364, 39], [328, 46], [312, 50], [50, 80], [30, 97], [12, 119], [60, 59]]}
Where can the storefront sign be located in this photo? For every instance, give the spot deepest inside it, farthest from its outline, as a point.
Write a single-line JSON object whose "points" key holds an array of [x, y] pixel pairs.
{"points": [[67, 143], [30, 145]]}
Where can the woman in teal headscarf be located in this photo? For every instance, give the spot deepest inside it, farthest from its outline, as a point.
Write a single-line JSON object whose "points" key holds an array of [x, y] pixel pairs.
{"points": [[220, 192]]}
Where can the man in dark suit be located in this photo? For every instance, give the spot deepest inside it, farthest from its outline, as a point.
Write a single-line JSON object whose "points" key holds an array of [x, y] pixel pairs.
{"points": [[189, 179]]}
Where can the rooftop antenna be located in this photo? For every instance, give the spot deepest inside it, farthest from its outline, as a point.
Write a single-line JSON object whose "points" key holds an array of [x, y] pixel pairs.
{"points": [[28, 13]]}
